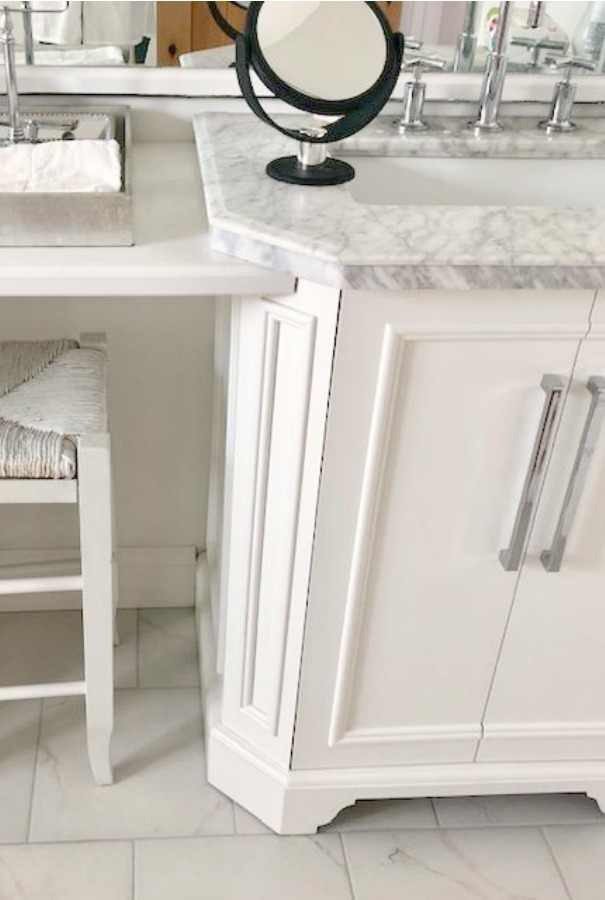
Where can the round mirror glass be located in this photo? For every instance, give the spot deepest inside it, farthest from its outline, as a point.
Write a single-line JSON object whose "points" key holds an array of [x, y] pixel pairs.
{"points": [[329, 50]]}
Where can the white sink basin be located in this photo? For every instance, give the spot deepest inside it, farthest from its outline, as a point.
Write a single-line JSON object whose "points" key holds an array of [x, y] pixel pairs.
{"points": [[422, 181]]}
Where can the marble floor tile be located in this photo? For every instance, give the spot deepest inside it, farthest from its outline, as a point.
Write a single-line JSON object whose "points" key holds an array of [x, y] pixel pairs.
{"points": [[66, 872], [168, 648], [246, 823], [160, 789], [37, 647], [518, 809], [250, 867], [580, 854], [465, 864], [385, 815], [19, 722]]}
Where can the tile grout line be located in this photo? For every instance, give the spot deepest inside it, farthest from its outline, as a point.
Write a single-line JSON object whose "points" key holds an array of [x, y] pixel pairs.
{"points": [[34, 775], [435, 813], [555, 861], [347, 867], [137, 642]]}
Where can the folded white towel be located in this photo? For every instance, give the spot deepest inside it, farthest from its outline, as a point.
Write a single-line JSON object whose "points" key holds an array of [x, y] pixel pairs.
{"points": [[93, 22], [73, 56], [61, 167]]}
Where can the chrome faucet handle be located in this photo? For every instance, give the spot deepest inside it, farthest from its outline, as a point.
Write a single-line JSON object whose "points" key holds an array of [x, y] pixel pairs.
{"points": [[413, 43], [562, 102], [536, 46], [423, 64], [414, 92], [569, 63]]}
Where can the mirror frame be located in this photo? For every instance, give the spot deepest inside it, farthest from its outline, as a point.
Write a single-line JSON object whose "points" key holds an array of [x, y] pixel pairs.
{"points": [[300, 100], [120, 81]]}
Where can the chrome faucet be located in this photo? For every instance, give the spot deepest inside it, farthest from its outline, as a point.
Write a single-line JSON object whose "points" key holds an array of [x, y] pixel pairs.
{"points": [[467, 41], [493, 78], [28, 34], [16, 131]]}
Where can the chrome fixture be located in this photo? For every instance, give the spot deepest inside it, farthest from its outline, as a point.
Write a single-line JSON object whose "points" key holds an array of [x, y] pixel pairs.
{"points": [[563, 98], [412, 43], [414, 92], [536, 45], [16, 131], [28, 34], [493, 78], [467, 39], [535, 14], [554, 388], [312, 154], [551, 559], [20, 129]]}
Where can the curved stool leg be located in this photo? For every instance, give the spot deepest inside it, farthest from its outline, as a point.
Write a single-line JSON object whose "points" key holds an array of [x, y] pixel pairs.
{"points": [[96, 548]]}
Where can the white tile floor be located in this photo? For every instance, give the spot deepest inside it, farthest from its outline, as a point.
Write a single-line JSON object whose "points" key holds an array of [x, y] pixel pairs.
{"points": [[161, 831]]}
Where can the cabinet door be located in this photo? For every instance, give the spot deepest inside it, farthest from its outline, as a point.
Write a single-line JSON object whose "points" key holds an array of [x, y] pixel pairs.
{"points": [[548, 697], [435, 405]]}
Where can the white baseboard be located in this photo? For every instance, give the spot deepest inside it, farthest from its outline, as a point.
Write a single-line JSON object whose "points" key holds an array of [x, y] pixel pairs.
{"points": [[147, 577]]}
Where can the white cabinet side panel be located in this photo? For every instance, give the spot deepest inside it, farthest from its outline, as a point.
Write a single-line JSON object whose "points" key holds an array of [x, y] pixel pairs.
{"points": [[285, 350]]}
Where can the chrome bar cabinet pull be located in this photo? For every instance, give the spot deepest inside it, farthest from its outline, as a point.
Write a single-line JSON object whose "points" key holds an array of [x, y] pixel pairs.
{"points": [[552, 559], [554, 389]]}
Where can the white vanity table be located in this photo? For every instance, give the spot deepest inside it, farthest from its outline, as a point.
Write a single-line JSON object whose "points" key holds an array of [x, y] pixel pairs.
{"points": [[324, 681]]}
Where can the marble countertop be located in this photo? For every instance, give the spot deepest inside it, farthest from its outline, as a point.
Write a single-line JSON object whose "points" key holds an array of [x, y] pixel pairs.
{"points": [[324, 235]]}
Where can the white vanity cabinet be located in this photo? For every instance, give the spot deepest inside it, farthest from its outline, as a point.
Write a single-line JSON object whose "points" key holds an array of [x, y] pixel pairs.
{"points": [[380, 639], [435, 408]]}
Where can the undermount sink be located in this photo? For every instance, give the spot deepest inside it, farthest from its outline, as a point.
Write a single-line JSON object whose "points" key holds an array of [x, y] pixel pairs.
{"points": [[71, 219], [472, 181]]}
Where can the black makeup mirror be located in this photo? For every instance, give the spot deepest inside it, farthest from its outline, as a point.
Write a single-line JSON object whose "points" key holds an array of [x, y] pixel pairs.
{"points": [[337, 61]]}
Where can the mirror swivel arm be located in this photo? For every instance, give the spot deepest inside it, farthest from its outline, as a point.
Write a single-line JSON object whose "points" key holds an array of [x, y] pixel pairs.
{"points": [[222, 22]]}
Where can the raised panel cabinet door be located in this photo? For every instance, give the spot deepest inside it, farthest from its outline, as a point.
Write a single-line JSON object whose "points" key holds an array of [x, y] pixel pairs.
{"points": [[548, 698], [436, 406]]}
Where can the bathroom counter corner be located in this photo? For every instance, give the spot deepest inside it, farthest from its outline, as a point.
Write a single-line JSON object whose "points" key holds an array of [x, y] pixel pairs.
{"points": [[326, 236]]}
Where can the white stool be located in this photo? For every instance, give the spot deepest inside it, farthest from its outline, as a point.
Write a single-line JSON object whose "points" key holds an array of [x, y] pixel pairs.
{"points": [[67, 397]]}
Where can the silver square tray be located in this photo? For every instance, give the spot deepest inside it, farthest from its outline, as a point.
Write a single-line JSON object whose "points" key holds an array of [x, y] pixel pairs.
{"points": [[75, 219]]}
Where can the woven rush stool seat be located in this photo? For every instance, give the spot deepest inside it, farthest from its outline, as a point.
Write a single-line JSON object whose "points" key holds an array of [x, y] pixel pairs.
{"points": [[54, 448]]}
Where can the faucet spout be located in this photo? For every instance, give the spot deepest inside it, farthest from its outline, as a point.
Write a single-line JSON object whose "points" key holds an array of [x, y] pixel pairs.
{"points": [[467, 41], [16, 134], [495, 71]]}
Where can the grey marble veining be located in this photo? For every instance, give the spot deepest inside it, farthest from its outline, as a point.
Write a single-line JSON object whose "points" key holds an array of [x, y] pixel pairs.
{"points": [[324, 235]]}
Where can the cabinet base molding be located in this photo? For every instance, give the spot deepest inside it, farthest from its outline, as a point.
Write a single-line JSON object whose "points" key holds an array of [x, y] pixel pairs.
{"points": [[297, 801]]}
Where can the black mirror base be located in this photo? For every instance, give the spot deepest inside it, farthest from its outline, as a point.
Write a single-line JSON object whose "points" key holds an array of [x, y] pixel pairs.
{"points": [[331, 171]]}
